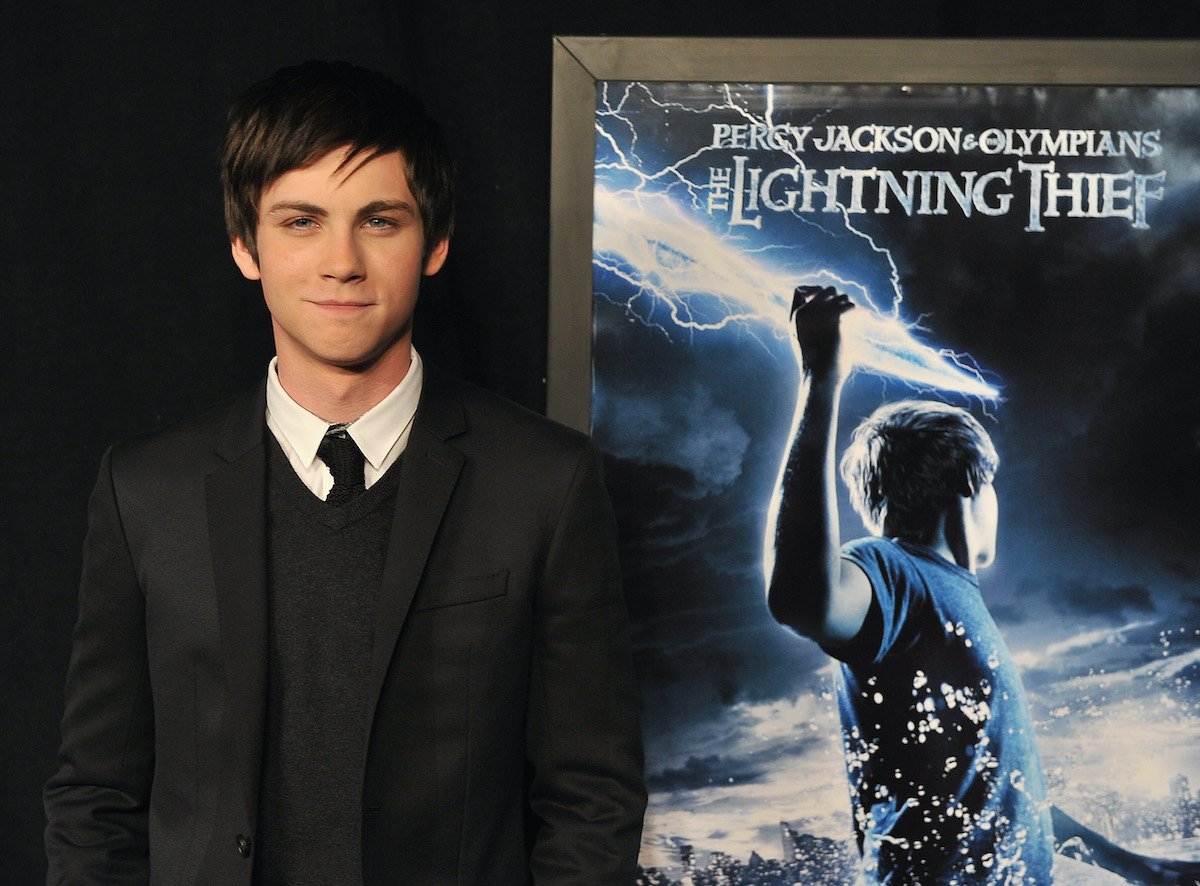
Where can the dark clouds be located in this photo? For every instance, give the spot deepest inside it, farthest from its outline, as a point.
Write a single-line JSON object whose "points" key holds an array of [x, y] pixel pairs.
{"points": [[1140, 456], [1113, 603], [682, 428], [721, 769], [703, 772]]}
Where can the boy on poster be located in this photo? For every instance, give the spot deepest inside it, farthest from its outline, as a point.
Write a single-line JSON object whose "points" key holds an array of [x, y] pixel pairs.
{"points": [[945, 776]]}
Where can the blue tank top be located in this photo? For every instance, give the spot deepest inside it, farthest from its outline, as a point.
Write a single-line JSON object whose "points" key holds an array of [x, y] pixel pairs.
{"points": [[946, 782]]}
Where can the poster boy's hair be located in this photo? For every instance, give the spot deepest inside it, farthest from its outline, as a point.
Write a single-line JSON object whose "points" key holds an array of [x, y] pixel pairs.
{"points": [[909, 460], [301, 113]]}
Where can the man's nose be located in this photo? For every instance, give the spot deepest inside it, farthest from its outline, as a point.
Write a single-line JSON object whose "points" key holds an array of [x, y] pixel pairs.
{"points": [[343, 260]]}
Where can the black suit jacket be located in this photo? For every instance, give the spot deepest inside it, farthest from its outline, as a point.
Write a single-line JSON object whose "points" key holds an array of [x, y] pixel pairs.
{"points": [[503, 747]]}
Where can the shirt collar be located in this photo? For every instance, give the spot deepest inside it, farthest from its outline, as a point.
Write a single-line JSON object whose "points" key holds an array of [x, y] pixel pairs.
{"points": [[375, 432]]}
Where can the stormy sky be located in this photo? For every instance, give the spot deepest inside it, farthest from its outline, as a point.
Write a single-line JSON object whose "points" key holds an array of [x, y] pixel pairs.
{"points": [[1088, 329]]}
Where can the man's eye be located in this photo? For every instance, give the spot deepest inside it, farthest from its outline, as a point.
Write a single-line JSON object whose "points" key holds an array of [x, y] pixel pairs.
{"points": [[380, 223], [301, 224]]}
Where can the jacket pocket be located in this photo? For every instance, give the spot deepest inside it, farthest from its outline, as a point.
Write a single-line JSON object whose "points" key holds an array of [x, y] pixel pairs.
{"points": [[455, 591]]}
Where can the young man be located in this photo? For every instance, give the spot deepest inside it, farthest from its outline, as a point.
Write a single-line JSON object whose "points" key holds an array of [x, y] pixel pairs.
{"points": [[945, 778], [364, 624]]}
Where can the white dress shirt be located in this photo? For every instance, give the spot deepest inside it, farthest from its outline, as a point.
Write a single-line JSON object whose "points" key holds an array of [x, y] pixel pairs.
{"points": [[381, 433]]}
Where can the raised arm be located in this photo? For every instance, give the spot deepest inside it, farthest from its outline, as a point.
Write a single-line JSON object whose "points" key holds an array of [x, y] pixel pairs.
{"points": [[810, 589]]}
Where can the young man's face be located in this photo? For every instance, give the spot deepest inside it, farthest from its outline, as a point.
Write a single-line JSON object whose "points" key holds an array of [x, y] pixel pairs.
{"points": [[340, 257]]}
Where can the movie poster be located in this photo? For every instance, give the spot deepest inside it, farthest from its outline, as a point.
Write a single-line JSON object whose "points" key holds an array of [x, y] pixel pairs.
{"points": [[1029, 254]]}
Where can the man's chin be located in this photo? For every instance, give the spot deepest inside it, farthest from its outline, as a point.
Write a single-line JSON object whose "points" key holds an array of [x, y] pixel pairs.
{"points": [[344, 356], [358, 362]]}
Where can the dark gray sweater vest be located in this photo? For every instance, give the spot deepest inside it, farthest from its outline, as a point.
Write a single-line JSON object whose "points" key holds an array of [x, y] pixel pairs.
{"points": [[324, 565]]}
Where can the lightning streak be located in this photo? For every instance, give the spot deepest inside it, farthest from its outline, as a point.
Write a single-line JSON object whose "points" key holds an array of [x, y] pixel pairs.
{"points": [[704, 282], [707, 284]]}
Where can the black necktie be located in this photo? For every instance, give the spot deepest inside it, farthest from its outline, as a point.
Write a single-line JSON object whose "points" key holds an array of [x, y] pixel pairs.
{"points": [[344, 461]]}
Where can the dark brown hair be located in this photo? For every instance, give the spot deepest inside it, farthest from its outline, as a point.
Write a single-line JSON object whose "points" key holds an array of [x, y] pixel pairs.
{"points": [[909, 460], [299, 114]]}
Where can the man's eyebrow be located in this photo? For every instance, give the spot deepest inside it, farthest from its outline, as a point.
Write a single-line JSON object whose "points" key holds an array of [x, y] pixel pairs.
{"points": [[376, 206], [297, 206]]}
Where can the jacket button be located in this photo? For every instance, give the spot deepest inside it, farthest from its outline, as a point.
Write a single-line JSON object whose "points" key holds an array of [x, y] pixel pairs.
{"points": [[243, 845]]}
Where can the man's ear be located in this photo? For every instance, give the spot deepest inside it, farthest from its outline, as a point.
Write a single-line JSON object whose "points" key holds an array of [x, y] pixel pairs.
{"points": [[436, 257], [243, 258]]}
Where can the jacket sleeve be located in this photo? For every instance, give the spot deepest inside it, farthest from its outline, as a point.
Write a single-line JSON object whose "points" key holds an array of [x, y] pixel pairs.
{"points": [[97, 800], [587, 794]]}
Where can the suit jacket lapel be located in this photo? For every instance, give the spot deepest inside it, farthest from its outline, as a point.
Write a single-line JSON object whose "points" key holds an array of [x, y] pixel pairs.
{"points": [[427, 478], [236, 498]]}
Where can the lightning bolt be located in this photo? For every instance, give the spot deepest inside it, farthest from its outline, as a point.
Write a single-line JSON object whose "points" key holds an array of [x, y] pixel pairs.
{"points": [[706, 282]]}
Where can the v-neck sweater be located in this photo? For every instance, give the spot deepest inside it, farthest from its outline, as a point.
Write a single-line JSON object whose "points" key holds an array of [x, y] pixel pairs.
{"points": [[325, 566]]}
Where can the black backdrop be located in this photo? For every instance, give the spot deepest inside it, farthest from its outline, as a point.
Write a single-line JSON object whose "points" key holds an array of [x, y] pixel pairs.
{"points": [[124, 312]]}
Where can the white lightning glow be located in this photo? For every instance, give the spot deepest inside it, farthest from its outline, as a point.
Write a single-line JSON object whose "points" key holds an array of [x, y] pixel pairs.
{"points": [[705, 283]]}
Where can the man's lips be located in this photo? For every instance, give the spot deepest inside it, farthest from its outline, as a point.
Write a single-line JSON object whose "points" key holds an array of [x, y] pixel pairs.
{"points": [[331, 304]]}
